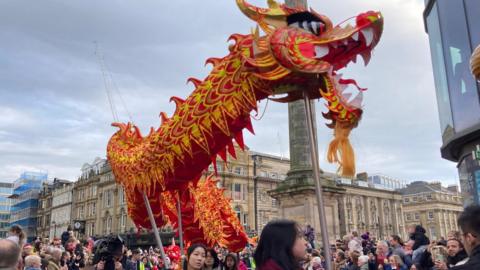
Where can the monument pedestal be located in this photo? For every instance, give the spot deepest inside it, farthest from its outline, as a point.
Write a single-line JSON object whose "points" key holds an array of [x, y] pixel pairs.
{"points": [[298, 202]]}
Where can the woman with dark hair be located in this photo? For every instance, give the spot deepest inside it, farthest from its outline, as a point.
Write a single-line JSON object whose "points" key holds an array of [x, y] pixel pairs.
{"points": [[195, 259], [211, 260], [230, 262], [17, 235], [281, 246]]}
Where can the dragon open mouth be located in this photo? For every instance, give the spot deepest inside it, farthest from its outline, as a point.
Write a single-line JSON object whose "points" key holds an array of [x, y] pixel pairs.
{"points": [[332, 51]]}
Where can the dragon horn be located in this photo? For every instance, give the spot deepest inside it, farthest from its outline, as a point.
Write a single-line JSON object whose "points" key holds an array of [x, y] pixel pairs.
{"points": [[275, 15]]}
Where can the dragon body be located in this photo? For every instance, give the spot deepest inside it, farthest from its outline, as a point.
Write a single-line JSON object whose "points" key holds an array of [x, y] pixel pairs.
{"points": [[298, 55]]}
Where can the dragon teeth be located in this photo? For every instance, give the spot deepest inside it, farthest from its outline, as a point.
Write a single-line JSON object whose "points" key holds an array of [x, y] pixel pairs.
{"points": [[355, 36], [296, 24], [315, 27], [321, 51], [366, 57], [368, 34], [305, 25]]}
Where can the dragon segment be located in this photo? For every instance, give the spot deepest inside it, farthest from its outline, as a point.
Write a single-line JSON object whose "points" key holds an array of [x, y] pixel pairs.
{"points": [[299, 55]]}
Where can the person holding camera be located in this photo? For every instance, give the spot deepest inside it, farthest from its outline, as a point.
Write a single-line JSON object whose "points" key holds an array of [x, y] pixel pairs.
{"points": [[108, 254]]}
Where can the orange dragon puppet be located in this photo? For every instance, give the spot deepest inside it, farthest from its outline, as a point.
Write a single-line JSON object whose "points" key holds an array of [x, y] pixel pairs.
{"points": [[299, 54]]}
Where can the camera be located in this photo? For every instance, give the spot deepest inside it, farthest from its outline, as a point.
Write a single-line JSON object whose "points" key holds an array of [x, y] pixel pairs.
{"points": [[106, 250]]}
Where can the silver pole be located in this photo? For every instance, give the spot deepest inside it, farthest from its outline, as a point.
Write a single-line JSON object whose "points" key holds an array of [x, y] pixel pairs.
{"points": [[180, 230], [318, 186], [155, 230]]}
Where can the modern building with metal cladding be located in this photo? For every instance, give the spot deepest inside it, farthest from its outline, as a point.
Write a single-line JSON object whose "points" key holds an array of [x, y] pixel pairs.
{"points": [[453, 29]]}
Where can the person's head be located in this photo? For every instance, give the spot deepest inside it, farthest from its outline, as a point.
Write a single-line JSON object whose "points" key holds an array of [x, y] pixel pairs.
{"points": [[362, 260], [354, 234], [145, 260], [211, 259], [453, 247], [69, 228], [137, 254], [27, 250], [340, 256], [57, 241], [469, 222], [16, 230], [409, 245], [316, 262], [38, 245], [411, 229], [382, 247], [10, 253], [33, 261], [231, 261], [454, 235], [195, 257], [354, 255], [395, 241], [56, 254], [395, 260], [283, 242], [71, 244], [66, 256]]}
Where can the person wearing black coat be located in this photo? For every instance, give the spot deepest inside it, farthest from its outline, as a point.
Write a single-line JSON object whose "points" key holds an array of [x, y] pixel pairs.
{"points": [[469, 222]]}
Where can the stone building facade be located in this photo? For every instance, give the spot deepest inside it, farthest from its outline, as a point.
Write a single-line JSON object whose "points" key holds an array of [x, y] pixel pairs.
{"points": [[61, 207], [99, 202], [44, 211], [112, 215], [54, 207], [433, 206], [350, 205]]}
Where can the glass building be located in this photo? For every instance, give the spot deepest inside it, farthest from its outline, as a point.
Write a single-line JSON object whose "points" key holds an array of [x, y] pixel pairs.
{"points": [[26, 190], [453, 28], [6, 189]]}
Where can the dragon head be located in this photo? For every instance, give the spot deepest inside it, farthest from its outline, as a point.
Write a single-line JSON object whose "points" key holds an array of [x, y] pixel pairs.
{"points": [[301, 54], [304, 45]]}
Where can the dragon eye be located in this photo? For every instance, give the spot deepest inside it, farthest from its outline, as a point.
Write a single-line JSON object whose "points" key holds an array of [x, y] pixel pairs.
{"points": [[306, 21]]}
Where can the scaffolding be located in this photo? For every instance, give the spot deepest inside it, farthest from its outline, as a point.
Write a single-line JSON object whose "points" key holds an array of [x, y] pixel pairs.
{"points": [[24, 208]]}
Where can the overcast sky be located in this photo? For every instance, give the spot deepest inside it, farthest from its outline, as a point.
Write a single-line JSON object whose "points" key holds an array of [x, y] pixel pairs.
{"points": [[55, 116]]}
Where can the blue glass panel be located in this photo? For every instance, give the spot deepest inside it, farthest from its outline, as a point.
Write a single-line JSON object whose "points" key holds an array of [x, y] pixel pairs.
{"points": [[457, 50], [440, 75]]}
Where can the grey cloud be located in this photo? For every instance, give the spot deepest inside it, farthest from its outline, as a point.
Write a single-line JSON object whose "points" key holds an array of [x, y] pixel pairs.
{"points": [[51, 77]]}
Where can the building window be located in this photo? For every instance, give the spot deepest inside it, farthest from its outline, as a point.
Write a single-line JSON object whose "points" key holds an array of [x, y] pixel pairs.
{"points": [[94, 190], [430, 215], [415, 199], [239, 191], [80, 212], [406, 200], [109, 225], [408, 216], [433, 233], [107, 195], [417, 216], [238, 170], [429, 197], [274, 203], [123, 221]]}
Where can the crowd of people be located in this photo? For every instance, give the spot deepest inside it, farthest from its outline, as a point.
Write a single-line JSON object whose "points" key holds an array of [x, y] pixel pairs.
{"points": [[282, 245]]}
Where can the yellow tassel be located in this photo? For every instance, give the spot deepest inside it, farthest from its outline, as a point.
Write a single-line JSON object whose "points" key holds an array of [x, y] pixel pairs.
{"points": [[340, 150]]}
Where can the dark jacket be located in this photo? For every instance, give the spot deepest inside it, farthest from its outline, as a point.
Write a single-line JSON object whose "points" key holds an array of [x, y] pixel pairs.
{"points": [[473, 262], [460, 256], [419, 237]]}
